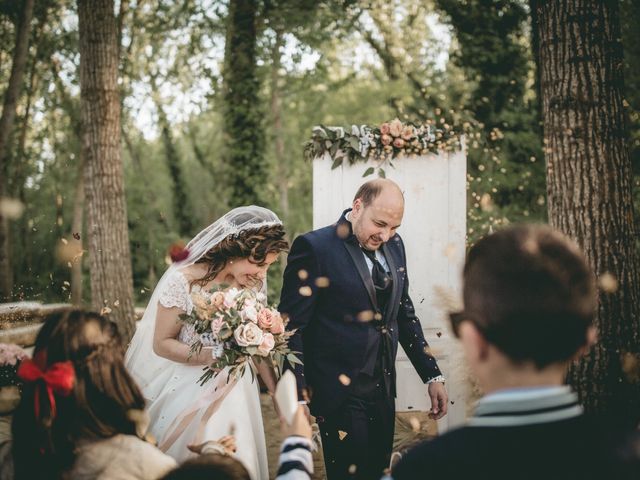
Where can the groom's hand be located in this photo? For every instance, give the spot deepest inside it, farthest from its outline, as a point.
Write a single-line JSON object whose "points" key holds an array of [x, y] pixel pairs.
{"points": [[439, 400]]}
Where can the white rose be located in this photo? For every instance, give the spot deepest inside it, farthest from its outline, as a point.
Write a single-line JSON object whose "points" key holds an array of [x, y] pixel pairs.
{"points": [[249, 313], [230, 297], [248, 334]]}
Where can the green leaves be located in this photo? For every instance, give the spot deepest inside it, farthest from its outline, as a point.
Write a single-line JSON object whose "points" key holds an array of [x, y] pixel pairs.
{"points": [[368, 172]]}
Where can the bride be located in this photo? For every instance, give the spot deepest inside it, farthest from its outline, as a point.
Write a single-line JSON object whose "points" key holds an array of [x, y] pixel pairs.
{"points": [[236, 250]]}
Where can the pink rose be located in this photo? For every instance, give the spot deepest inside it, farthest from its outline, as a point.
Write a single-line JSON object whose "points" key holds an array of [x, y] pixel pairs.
{"points": [[265, 318], [407, 133], [395, 128], [268, 342], [385, 129], [398, 143], [248, 334], [386, 139], [277, 327]]}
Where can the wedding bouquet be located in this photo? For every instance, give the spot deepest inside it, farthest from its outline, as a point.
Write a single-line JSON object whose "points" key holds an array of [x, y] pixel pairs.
{"points": [[242, 326]]}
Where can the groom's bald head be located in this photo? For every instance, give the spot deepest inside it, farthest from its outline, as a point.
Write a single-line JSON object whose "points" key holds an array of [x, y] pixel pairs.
{"points": [[372, 189]]}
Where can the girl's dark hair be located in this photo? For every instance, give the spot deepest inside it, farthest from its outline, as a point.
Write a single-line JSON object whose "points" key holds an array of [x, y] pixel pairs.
{"points": [[100, 405], [254, 244]]}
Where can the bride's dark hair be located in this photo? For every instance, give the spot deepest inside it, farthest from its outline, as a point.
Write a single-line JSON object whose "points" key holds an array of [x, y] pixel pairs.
{"points": [[252, 243]]}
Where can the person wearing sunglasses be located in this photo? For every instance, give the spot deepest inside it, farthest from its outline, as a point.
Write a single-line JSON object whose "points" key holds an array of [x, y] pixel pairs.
{"points": [[529, 305]]}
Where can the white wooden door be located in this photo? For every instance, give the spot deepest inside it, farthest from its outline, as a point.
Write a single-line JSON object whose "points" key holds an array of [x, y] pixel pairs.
{"points": [[433, 230]]}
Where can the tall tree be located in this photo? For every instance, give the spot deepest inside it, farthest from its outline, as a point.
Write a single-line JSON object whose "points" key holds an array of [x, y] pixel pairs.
{"points": [[492, 38], [243, 129], [589, 185], [181, 210], [6, 126], [107, 234]]}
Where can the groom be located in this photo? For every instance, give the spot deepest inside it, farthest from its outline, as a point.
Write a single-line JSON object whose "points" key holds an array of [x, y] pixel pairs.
{"points": [[346, 293]]}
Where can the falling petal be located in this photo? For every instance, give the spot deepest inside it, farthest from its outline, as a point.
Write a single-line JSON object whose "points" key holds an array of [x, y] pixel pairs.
{"points": [[608, 282], [344, 380], [303, 274], [322, 282], [365, 316], [11, 208], [341, 434], [342, 230], [178, 252], [305, 291]]}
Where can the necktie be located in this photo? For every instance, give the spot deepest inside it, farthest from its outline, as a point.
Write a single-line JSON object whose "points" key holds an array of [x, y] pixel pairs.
{"points": [[381, 280], [379, 276]]}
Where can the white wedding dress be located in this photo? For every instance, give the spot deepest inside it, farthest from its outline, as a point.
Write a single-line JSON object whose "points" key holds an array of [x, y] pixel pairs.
{"points": [[182, 412]]}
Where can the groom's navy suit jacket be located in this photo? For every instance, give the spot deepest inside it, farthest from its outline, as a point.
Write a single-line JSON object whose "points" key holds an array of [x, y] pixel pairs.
{"points": [[328, 295]]}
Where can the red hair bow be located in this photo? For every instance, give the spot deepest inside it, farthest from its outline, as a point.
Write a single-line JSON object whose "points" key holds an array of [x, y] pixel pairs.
{"points": [[59, 378]]}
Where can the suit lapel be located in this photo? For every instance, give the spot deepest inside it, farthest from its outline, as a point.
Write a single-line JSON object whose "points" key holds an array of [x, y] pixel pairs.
{"points": [[395, 289], [363, 270]]}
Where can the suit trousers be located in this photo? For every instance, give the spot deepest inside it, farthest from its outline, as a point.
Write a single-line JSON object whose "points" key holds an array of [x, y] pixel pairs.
{"points": [[357, 438]]}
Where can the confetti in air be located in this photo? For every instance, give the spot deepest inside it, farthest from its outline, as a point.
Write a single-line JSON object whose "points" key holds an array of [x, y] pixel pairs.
{"points": [[341, 434], [178, 252], [608, 283], [305, 291], [11, 208], [342, 231], [365, 316]]}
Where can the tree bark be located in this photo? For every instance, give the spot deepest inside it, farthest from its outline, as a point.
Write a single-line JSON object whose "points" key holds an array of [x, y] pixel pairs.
{"points": [[589, 186], [6, 126], [243, 130], [107, 234]]}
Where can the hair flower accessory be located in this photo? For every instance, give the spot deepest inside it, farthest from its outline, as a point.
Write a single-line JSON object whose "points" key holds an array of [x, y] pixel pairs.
{"points": [[58, 378]]}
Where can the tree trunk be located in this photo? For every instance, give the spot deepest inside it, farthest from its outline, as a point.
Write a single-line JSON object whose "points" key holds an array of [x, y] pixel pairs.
{"points": [[107, 235], [243, 130], [278, 133], [6, 125], [181, 210], [77, 234], [22, 264], [589, 189]]}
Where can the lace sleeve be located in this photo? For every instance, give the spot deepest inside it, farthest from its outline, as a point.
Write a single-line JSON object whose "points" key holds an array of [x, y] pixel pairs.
{"points": [[176, 293]]}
